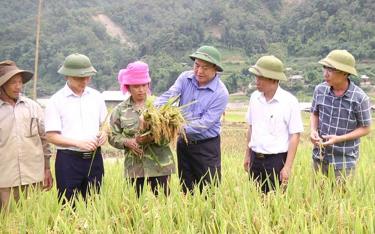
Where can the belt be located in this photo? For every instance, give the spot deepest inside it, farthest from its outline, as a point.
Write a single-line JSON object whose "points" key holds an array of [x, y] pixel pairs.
{"points": [[83, 155], [263, 156], [196, 142]]}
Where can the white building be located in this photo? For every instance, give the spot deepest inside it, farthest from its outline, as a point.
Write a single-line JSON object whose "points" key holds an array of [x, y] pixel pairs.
{"points": [[112, 98]]}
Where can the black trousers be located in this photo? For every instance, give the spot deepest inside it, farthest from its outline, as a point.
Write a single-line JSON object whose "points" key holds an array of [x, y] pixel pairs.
{"points": [[72, 167], [266, 171], [199, 163], [157, 183]]}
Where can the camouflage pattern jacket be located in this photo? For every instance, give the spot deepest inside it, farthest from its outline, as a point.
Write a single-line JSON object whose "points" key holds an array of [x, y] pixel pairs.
{"points": [[157, 159]]}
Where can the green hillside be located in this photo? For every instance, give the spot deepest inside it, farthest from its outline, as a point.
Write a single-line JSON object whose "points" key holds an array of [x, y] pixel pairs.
{"points": [[162, 33]]}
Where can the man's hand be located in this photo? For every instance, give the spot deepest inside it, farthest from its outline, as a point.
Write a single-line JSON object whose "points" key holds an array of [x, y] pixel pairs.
{"points": [[48, 180], [315, 138], [246, 162], [331, 139], [87, 145], [284, 174]]}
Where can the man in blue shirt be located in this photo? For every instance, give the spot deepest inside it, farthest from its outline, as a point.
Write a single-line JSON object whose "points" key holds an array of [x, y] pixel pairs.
{"points": [[199, 159]]}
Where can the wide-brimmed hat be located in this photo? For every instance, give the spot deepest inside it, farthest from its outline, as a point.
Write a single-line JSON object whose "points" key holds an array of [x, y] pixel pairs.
{"points": [[77, 65], [209, 54], [269, 67], [135, 73], [341, 60], [8, 69]]}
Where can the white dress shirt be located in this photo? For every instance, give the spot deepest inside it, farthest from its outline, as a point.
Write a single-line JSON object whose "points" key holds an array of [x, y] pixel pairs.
{"points": [[272, 122], [75, 117]]}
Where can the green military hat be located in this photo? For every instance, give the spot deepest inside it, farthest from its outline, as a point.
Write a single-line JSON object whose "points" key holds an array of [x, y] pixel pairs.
{"points": [[77, 65], [8, 69], [209, 54], [269, 67], [341, 60]]}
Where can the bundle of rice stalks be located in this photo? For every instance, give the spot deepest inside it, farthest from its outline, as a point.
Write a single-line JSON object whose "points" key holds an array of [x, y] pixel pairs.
{"points": [[164, 123]]}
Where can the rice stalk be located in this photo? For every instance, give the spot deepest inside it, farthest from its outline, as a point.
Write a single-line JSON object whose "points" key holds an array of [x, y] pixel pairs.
{"points": [[103, 128]]}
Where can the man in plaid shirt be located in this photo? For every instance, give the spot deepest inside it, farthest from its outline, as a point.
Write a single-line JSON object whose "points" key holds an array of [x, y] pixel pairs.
{"points": [[340, 115]]}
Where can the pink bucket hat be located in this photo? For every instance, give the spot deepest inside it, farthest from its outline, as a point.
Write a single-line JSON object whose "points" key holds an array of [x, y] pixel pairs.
{"points": [[134, 74]]}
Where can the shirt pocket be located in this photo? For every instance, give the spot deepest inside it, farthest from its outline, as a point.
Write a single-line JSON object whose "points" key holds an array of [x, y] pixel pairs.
{"points": [[129, 126], [198, 110], [32, 127]]}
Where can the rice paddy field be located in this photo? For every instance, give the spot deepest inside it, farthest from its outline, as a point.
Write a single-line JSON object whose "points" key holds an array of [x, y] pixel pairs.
{"points": [[310, 204]]}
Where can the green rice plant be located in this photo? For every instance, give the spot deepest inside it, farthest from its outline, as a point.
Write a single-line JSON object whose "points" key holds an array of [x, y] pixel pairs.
{"points": [[311, 203]]}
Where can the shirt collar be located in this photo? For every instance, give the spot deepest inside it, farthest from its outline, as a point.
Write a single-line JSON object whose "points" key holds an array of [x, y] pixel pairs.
{"points": [[20, 99], [347, 92], [128, 102], [276, 97], [278, 94], [69, 92], [212, 85]]}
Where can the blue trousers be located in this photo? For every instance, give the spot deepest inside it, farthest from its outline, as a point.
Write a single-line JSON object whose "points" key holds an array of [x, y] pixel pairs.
{"points": [[72, 167]]}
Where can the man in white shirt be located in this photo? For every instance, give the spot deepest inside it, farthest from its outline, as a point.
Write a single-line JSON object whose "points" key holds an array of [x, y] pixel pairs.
{"points": [[72, 121], [274, 129]]}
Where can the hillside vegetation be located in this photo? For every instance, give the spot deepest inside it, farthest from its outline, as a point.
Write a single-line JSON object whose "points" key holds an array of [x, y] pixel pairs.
{"points": [[164, 33]]}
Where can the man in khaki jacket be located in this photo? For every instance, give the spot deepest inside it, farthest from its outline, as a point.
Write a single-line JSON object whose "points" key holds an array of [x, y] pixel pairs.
{"points": [[24, 152]]}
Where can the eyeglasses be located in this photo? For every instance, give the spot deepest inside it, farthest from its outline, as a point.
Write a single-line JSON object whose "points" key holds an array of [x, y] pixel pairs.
{"points": [[330, 69]]}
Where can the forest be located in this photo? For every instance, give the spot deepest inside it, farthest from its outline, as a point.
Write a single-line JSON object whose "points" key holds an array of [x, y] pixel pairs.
{"points": [[164, 32]]}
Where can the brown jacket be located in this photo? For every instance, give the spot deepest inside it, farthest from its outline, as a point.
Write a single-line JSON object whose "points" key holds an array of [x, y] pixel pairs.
{"points": [[24, 151]]}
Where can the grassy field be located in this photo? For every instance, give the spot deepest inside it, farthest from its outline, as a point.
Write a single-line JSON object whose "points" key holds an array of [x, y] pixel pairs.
{"points": [[310, 203]]}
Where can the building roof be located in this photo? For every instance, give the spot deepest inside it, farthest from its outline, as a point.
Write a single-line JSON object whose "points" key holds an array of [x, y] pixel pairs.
{"points": [[114, 95], [296, 77], [305, 106], [42, 101], [107, 95]]}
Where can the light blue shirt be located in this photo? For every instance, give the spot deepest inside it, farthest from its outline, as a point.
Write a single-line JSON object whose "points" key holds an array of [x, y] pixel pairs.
{"points": [[210, 101]]}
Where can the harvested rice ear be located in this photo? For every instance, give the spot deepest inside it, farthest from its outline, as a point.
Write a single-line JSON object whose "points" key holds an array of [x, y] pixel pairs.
{"points": [[142, 124], [321, 147], [164, 123]]}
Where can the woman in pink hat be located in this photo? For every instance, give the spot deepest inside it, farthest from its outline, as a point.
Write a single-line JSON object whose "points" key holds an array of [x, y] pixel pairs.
{"points": [[152, 164]]}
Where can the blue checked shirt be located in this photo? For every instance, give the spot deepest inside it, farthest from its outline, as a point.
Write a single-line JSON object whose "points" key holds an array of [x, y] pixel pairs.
{"points": [[339, 116]]}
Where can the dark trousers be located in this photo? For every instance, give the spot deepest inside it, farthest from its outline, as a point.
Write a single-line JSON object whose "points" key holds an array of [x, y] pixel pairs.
{"points": [[199, 163], [157, 183], [341, 175], [72, 169], [266, 171]]}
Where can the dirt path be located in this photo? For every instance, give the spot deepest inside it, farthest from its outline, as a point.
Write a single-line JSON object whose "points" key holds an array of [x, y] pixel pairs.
{"points": [[113, 29]]}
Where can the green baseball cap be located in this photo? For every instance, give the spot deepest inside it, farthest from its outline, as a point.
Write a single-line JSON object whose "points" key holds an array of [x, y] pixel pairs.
{"points": [[270, 67], [209, 54], [77, 65], [341, 60]]}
